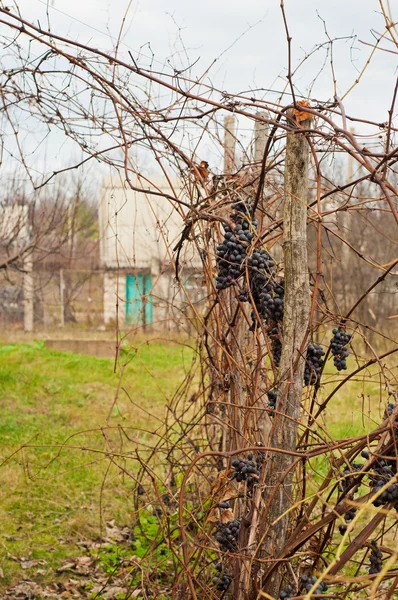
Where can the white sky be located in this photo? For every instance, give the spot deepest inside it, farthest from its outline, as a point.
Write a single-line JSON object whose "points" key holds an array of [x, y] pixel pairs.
{"points": [[248, 40], [209, 28]]}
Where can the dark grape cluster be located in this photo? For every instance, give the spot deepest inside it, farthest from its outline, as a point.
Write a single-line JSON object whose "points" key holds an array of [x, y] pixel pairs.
{"points": [[384, 471], [313, 364], [287, 592], [244, 295], [348, 517], [231, 252], [381, 474], [261, 262], [376, 559], [232, 259], [268, 295], [308, 581], [272, 398], [241, 210], [338, 345], [279, 299], [276, 346], [222, 580], [230, 255], [261, 272], [227, 535], [246, 468], [390, 408], [260, 455], [348, 474]]}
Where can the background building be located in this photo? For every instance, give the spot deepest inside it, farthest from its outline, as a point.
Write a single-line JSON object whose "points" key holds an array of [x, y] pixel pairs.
{"points": [[137, 232]]}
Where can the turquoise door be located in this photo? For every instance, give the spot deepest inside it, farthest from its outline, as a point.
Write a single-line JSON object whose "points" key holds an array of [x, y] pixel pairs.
{"points": [[138, 299]]}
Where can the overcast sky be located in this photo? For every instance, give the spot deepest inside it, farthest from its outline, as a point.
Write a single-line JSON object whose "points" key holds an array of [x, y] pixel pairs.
{"points": [[246, 38]]}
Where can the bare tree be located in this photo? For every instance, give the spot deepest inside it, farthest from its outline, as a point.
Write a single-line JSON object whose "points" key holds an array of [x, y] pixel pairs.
{"points": [[41, 233]]}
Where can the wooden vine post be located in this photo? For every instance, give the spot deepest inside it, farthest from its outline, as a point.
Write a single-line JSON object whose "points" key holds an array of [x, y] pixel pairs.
{"points": [[229, 144], [234, 341], [278, 496]]}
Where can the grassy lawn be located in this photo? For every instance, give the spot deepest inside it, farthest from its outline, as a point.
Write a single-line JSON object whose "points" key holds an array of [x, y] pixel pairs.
{"points": [[355, 409], [52, 496], [61, 413]]}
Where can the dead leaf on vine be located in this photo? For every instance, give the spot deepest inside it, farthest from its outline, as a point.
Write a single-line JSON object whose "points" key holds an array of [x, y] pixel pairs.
{"points": [[228, 493], [226, 515], [201, 171], [220, 515], [302, 115], [222, 480], [213, 515]]}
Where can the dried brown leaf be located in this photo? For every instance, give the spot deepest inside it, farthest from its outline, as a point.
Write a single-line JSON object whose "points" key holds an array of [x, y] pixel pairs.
{"points": [[226, 515], [302, 115]]}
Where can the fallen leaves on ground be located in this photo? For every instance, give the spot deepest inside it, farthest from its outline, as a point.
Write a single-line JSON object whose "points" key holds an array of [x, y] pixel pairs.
{"points": [[79, 578]]}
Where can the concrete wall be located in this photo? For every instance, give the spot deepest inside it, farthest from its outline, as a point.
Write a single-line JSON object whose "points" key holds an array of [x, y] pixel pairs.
{"points": [[137, 228], [114, 290], [138, 232]]}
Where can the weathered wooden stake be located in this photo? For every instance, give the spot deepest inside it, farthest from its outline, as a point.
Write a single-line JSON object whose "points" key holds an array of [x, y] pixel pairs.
{"points": [[295, 327], [229, 144], [237, 334], [61, 298], [28, 293], [260, 138]]}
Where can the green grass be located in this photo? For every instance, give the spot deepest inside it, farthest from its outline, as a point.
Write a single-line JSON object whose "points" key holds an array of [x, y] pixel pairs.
{"points": [[57, 484], [356, 409], [53, 496]]}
